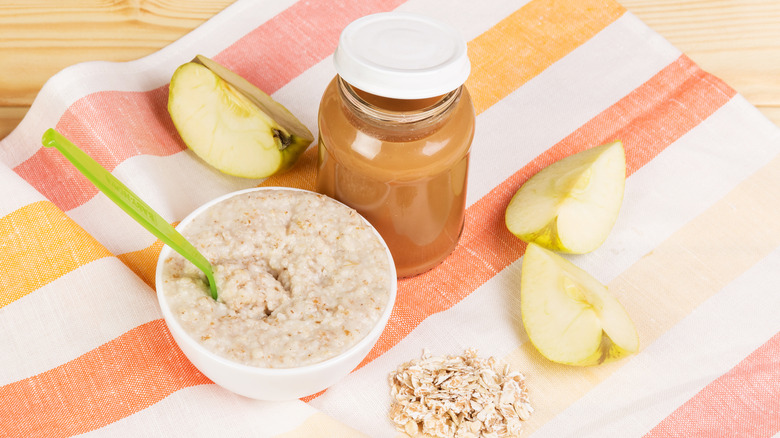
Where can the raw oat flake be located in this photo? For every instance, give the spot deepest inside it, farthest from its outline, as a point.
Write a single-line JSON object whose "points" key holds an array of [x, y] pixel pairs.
{"points": [[458, 396]]}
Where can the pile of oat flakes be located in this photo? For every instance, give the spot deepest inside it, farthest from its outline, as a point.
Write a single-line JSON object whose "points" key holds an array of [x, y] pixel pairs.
{"points": [[459, 397]]}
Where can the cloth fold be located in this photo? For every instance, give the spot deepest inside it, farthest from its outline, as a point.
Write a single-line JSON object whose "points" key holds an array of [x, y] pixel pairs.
{"points": [[693, 256]]}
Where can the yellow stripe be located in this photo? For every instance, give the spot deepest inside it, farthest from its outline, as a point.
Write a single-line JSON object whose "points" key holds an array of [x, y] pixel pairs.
{"points": [[668, 283], [525, 43], [39, 243]]}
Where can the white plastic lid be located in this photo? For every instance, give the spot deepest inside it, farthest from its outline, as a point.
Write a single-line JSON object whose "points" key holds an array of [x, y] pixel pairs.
{"points": [[402, 56]]}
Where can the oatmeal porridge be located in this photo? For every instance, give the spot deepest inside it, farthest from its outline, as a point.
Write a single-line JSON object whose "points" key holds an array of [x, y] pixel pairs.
{"points": [[301, 278]]}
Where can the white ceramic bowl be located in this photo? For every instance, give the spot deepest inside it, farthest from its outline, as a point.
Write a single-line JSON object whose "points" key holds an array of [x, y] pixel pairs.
{"points": [[270, 383]]}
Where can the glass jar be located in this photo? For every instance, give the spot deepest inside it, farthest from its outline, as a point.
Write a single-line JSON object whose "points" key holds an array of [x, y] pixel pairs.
{"points": [[396, 149]]}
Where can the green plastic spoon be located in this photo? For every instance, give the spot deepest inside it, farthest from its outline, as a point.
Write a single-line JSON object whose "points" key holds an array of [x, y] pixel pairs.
{"points": [[130, 203]]}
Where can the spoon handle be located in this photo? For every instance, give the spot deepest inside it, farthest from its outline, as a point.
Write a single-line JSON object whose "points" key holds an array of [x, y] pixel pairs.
{"points": [[122, 196]]}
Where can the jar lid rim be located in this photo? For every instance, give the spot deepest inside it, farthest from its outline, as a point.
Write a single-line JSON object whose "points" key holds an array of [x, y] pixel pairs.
{"points": [[402, 55]]}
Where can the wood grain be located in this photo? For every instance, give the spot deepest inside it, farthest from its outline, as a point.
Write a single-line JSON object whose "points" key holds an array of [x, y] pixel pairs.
{"points": [[38, 38], [737, 40]]}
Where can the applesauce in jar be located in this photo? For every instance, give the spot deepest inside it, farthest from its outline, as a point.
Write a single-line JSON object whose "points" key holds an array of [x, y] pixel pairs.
{"points": [[395, 131]]}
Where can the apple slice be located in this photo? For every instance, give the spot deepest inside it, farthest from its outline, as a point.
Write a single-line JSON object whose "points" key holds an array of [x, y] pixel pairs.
{"points": [[569, 316], [572, 204], [231, 124]]}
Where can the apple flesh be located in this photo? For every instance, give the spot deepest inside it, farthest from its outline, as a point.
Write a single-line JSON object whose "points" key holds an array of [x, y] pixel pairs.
{"points": [[569, 316], [571, 205], [231, 124]]}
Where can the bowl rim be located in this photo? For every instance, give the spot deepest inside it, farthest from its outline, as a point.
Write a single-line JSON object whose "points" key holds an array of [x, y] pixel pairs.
{"points": [[374, 333]]}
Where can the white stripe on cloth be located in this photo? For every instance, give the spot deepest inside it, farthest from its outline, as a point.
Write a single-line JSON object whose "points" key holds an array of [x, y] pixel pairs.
{"points": [[72, 315], [15, 192], [683, 181], [565, 96], [173, 186], [209, 411]]}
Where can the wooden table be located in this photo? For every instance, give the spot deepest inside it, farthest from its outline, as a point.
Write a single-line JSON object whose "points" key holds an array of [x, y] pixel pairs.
{"points": [[737, 40]]}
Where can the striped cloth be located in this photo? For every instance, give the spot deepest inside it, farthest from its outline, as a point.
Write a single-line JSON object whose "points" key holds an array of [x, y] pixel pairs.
{"points": [[694, 255]]}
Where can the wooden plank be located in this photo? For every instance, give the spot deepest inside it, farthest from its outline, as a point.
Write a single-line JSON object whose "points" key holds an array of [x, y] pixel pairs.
{"points": [[737, 40]]}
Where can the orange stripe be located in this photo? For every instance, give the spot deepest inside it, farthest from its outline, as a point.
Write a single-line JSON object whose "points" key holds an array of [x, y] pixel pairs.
{"points": [[647, 120], [132, 372], [143, 262], [40, 244], [742, 402]]}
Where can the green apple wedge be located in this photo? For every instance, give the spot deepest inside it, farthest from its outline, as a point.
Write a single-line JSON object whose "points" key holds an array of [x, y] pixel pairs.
{"points": [[231, 124], [571, 205], [569, 316]]}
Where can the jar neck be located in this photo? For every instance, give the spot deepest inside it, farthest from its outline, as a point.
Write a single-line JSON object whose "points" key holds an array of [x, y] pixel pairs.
{"points": [[389, 117]]}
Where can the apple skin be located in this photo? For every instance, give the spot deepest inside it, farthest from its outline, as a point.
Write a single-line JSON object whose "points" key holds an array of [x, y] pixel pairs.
{"points": [[569, 316], [571, 205], [231, 124]]}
